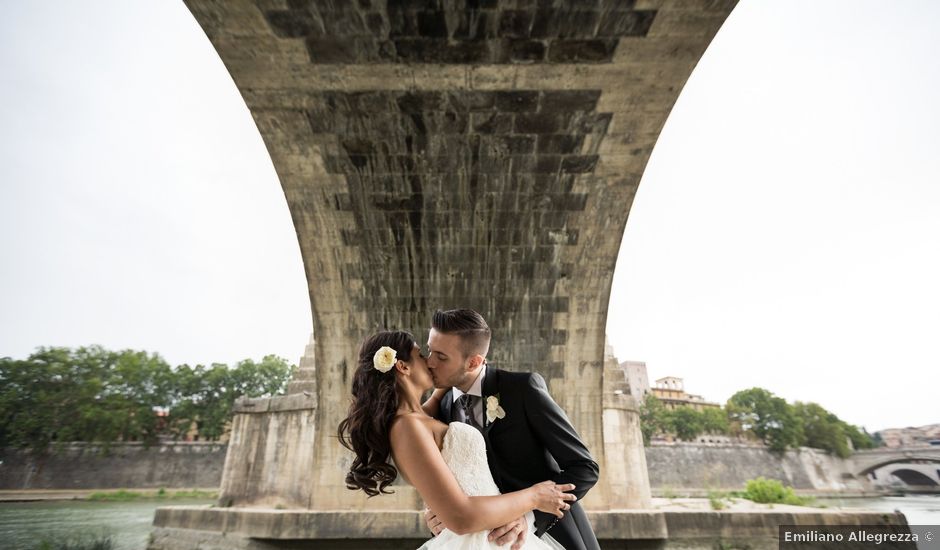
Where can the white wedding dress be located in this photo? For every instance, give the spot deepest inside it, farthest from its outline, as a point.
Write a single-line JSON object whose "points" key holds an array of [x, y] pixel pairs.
{"points": [[464, 452]]}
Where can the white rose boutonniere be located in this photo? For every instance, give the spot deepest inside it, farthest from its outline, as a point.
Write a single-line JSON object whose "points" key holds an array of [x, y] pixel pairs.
{"points": [[384, 359], [493, 410]]}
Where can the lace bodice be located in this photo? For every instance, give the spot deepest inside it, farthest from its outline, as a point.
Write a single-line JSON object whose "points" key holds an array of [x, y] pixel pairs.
{"points": [[464, 452]]}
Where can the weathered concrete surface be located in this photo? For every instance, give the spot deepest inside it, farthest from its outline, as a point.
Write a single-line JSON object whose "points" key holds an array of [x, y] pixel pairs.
{"points": [[685, 468], [728, 467], [184, 528], [129, 465], [39, 495], [629, 485], [474, 153], [271, 452]]}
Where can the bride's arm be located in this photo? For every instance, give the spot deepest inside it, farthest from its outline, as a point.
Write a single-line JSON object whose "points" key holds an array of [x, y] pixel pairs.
{"points": [[417, 457], [433, 404]]}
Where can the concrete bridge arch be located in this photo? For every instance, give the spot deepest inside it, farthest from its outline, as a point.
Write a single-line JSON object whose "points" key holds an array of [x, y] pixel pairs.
{"points": [[915, 476], [458, 153], [875, 459]]}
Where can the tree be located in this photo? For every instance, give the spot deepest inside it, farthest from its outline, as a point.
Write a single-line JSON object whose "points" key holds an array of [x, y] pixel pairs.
{"points": [[715, 420], [206, 396], [687, 422], [59, 395], [654, 418], [860, 437], [822, 429], [767, 416]]}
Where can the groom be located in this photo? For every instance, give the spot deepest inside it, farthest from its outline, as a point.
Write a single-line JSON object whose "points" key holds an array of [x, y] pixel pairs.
{"points": [[528, 436]]}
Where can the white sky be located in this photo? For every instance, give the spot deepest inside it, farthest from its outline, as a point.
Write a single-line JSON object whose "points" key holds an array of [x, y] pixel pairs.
{"points": [[785, 234]]}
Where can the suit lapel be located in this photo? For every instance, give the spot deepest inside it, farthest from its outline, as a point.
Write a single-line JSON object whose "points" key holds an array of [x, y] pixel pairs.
{"points": [[490, 387], [447, 402]]}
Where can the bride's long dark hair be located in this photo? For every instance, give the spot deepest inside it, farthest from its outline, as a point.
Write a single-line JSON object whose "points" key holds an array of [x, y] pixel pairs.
{"points": [[364, 431]]}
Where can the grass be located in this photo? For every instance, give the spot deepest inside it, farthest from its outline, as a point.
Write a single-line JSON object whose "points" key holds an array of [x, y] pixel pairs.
{"points": [[123, 495], [716, 499], [78, 542]]}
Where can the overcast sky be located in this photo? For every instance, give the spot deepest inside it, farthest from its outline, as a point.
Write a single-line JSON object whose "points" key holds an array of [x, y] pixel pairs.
{"points": [[785, 234]]}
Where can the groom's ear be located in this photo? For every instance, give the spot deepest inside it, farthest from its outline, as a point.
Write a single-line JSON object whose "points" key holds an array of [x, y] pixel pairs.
{"points": [[476, 361]]}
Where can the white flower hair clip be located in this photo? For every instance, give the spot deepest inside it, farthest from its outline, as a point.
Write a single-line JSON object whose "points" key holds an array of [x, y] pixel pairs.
{"points": [[384, 359]]}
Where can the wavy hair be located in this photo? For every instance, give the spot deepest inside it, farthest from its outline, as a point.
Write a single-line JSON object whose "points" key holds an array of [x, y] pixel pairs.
{"points": [[364, 431]]}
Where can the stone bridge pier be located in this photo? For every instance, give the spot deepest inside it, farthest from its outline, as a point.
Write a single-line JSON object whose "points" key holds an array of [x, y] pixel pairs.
{"points": [[451, 153]]}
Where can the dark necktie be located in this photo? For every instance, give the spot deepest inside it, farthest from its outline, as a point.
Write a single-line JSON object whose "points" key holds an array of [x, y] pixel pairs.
{"points": [[465, 404]]}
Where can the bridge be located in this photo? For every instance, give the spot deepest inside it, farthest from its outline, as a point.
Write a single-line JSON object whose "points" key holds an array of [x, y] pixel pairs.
{"points": [[916, 466], [440, 154], [459, 153]]}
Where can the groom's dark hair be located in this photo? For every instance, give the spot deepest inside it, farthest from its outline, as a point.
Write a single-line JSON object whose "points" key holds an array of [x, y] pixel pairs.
{"points": [[469, 325]]}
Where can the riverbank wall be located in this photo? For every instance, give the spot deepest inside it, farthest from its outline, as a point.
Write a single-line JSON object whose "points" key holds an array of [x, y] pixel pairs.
{"points": [[683, 467], [126, 465], [686, 468]]}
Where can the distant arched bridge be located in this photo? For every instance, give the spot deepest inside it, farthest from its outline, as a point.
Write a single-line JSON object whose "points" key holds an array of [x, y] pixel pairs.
{"points": [[870, 460]]}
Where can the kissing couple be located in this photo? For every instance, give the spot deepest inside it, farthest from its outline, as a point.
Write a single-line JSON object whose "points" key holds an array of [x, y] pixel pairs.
{"points": [[492, 455]]}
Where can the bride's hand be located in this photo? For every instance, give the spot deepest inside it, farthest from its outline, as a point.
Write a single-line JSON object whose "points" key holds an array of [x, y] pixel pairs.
{"points": [[551, 498]]}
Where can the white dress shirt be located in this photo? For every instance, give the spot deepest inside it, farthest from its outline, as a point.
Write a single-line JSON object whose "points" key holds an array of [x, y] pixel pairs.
{"points": [[475, 389]]}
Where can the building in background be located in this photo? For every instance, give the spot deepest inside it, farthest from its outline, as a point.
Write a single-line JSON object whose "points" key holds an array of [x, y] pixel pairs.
{"points": [[911, 436], [639, 382], [671, 391]]}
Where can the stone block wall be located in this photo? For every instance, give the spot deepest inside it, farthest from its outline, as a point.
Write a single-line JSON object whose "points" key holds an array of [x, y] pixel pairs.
{"points": [[672, 467], [129, 465]]}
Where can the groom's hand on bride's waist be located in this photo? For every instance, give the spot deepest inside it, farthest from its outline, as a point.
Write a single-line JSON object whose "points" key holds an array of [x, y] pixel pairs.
{"points": [[434, 523], [514, 532]]}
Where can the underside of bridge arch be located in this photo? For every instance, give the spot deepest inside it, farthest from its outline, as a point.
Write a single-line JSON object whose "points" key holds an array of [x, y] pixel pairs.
{"points": [[913, 477], [460, 153]]}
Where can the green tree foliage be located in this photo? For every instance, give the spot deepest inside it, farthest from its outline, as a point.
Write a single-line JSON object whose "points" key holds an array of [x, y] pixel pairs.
{"points": [[58, 395], [653, 418], [207, 395], [822, 429], [767, 416], [759, 412], [860, 437], [715, 420], [687, 422]]}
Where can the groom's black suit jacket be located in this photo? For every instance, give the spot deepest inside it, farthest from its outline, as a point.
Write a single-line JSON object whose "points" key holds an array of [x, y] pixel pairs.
{"points": [[533, 443]]}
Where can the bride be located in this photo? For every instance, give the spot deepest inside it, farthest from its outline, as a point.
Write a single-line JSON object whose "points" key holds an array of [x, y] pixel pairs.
{"points": [[445, 463]]}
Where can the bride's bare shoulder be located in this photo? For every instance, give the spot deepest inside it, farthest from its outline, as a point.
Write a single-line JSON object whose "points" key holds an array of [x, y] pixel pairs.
{"points": [[407, 427], [402, 424]]}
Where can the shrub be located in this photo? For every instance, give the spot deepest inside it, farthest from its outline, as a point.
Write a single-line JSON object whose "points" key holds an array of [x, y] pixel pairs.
{"points": [[771, 491], [716, 499]]}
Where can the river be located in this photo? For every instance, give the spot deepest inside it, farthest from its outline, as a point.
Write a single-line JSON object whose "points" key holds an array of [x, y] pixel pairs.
{"points": [[918, 509], [24, 524]]}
